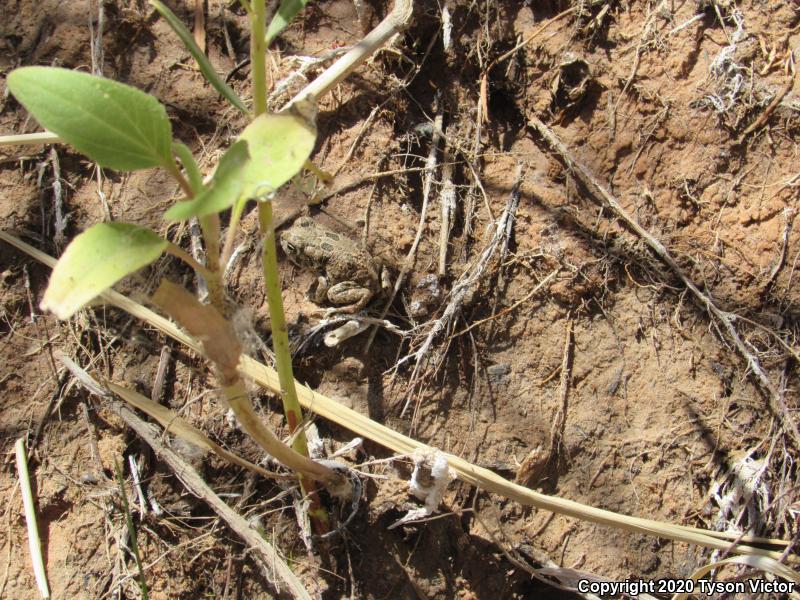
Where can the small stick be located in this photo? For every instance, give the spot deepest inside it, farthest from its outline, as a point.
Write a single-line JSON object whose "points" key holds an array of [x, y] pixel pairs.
{"points": [[96, 39], [100, 194], [137, 484], [266, 554], [306, 64], [512, 308], [34, 543], [550, 377], [501, 271], [427, 185], [532, 36], [94, 450], [154, 505], [447, 30], [57, 392], [447, 198], [560, 419], [538, 574], [788, 215], [161, 372], [726, 319], [29, 295], [98, 58], [600, 470], [394, 22], [470, 196], [764, 116], [685, 24], [348, 157], [199, 255], [368, 207], [411, 257], [637, 59], [361, 180], [367, 215], [131, 533], [60, 224], [363, 15], [543, 526], [227, 35], [40, 168], [468, 160], [200, 24], [461, 291]]}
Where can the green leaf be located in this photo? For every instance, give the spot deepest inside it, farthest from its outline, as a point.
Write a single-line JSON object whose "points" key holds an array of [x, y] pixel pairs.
{"points": [[96, 260], [206, 68], [223, 190], [286, 12], [279, 146], [114, 124]]}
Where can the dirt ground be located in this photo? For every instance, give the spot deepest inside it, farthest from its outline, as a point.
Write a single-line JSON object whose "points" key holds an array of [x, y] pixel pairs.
{"points": [[688, 111]]}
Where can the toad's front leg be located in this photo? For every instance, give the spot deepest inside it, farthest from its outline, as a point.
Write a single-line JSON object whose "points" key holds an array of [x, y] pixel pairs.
{"points": [[354, 295], [319, 293]]}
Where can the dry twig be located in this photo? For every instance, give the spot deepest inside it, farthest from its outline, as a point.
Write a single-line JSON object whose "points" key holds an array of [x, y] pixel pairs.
{"points": [[724, 318], [394, 22], [403, 445], [764, 116], [447, 198], [788, 215], [557, 430], [34, 542], [266, 554], [460, 295], [411, 257]]}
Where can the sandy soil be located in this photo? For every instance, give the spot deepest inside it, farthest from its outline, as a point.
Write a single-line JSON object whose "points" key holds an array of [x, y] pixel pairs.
{"points": [[671, 105]]}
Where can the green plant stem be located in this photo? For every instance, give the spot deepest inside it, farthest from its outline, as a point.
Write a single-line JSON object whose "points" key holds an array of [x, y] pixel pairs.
{"points": [[233, 225], [280, 334], [175, 171], [272, 281], [131, 530], [189, 165], [258, 52], [283, 359]]}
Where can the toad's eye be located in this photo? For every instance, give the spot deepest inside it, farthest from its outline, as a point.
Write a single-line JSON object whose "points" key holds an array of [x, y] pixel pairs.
{"points": [[289, 247]]}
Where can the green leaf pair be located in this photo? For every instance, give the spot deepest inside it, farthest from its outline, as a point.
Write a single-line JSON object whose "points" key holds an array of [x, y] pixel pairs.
{"points": [[270, 151], [122, 128]]}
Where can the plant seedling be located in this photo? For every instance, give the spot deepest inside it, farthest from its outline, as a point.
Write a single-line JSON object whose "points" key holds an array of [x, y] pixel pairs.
{"points": [[122, 128]]}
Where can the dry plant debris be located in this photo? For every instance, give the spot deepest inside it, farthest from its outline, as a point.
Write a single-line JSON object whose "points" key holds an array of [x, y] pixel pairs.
{"points": [[637, 353]]}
